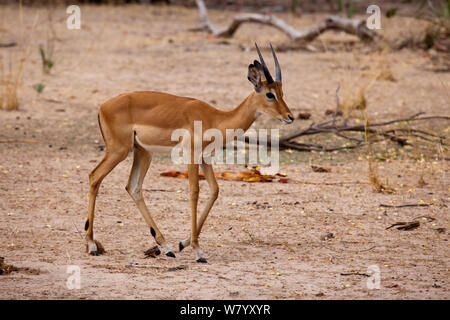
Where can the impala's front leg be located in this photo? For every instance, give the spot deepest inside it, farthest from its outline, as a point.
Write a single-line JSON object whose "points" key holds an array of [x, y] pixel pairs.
{"points": [[214, 188], [194, 191]]}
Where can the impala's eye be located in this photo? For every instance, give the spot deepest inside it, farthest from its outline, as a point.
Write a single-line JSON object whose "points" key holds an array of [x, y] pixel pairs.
{"points": [[270, 95]]}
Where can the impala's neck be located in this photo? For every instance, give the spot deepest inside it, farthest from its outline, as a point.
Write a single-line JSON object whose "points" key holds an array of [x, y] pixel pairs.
{"points": [[240, 117]]}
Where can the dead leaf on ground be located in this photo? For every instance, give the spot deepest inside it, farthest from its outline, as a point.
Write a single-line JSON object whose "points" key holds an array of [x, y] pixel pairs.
{"points": [[179, 174], [247, 176], [327, 236], [304, 115], [7, 268], [255, 176], [440, 230], [152, 252], [320, 169], [320, 294], [330, 111], [229, 176]]}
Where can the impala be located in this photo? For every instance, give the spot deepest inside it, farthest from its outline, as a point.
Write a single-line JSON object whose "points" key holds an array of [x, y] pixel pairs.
{"points": [[143, 122]]}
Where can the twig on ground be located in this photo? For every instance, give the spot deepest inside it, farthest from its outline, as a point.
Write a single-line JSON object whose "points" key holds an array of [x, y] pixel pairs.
{"points": [[8, 45], [19, 141], [355, 274], [327, 183], [166, 269], [405, 225], [404, 205]]}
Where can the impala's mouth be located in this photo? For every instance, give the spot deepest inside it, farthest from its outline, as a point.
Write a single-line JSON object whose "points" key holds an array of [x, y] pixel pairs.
{"points": [[288, 121]]}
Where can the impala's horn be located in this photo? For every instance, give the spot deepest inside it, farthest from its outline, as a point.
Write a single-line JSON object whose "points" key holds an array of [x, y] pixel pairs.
{"points": [[265, 69], [277, 65]]}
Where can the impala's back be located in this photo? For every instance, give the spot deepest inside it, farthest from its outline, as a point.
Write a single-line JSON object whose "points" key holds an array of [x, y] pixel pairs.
{"points": [[153, 116]]}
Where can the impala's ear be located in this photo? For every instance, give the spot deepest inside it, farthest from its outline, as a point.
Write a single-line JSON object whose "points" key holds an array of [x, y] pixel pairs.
{"points": [[254, 76]]}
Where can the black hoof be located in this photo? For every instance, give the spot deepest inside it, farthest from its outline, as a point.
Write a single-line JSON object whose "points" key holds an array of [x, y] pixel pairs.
{"points": [[202, 260], [170, 254], [180, 246], [93, 253]]}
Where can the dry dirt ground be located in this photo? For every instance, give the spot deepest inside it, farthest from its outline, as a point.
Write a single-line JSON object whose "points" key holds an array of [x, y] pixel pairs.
{"points": [[262, 240]]}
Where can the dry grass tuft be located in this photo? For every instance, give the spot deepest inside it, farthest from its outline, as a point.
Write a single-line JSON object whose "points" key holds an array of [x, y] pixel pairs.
{"points": [[421, 182], [46, 51], [374, 178], [12, 66], [385, 72], [369, 70], [10, 80], [353, 99]]}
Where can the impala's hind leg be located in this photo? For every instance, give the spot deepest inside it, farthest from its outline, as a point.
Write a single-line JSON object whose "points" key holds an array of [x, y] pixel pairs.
{"points": [[96, 177], [141, 163]]}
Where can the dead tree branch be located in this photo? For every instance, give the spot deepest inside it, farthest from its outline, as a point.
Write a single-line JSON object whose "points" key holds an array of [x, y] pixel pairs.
{"points": [[376, 132], [352, 26]]}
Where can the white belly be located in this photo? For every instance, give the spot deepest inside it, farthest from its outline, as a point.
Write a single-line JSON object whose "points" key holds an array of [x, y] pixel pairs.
{"points": [[154, 148]]}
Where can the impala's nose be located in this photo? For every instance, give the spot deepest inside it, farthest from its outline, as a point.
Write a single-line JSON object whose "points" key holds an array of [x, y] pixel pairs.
{"points": [[290, 120]]}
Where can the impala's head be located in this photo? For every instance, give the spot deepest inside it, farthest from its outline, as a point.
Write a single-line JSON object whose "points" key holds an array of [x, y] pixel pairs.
{"points": [[269, 93]]}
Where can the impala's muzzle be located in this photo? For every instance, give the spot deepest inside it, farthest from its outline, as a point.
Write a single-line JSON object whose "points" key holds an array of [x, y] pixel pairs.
{"points": [[289, 120]]}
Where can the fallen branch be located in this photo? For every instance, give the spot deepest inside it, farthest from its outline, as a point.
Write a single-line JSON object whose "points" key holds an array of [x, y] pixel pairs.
{"points": [[375, 134], [352, 26]]}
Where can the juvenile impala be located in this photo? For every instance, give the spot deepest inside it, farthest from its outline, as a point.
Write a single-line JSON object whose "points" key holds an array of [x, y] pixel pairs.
{"points": [[144, 121]]}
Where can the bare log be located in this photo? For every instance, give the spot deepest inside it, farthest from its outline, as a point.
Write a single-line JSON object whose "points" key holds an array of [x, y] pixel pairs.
{"points": [[351, 26]]}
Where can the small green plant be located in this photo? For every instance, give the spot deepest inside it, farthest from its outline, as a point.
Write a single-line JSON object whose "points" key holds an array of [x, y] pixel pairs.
{"points": [[47, 57], [348, 7], [350, 10], [440, 13], [39, 87], [252, 239], [294, 4], [391, 12]]}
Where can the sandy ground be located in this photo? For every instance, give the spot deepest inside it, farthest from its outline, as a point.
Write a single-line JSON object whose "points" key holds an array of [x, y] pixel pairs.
{"points": [[262, 240]]}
